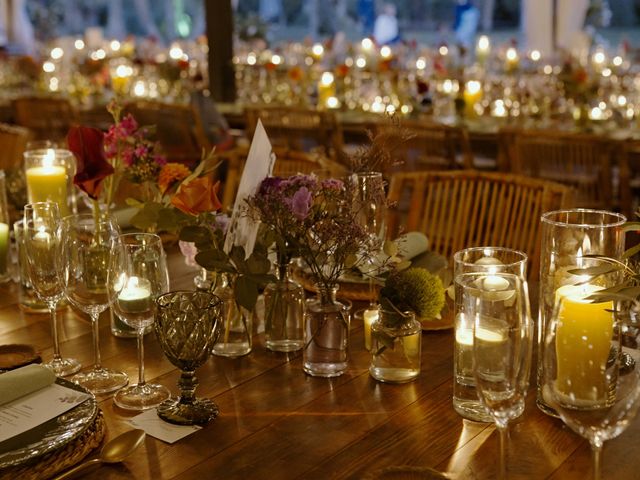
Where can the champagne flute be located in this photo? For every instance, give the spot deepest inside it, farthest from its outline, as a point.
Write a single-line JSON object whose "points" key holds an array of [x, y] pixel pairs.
{"points": [[591, 369], [502, 345], [88, 247], [140, 276], [44, 266]]}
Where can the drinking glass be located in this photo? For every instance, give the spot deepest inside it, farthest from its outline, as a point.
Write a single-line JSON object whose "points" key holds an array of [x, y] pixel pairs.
{"points": [[502, 345], [488, 260], [591, 373], [88, 247], [44, 263], [187, 324], [140, 276]]}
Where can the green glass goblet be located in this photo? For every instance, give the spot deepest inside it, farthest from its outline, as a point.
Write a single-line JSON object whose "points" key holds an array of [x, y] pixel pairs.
{"points": [[186, 326]]}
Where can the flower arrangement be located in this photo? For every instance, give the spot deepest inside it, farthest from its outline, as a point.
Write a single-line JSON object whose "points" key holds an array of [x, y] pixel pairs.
{"points": [[312, 219]]}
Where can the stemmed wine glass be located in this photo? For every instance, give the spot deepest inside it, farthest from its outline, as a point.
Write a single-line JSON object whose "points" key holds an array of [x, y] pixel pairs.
{"points": [[88, 247], [140, 276], [591, 372], [371, 208], [502, 345], [44, 266]]}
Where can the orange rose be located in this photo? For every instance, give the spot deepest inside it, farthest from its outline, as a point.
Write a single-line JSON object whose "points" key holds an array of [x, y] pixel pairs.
{"points": [[198, 196]]}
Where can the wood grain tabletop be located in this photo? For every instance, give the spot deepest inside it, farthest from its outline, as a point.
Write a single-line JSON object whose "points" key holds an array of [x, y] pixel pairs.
{"points": [[278, 423]]}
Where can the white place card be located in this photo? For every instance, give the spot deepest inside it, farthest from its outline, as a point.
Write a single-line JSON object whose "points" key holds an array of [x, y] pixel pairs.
{"points": [[28, 412], [158, 428], [242, 229]]}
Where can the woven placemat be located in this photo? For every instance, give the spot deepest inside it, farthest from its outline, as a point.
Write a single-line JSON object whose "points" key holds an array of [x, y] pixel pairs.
{"points": [[66, 457], [354, 291]]}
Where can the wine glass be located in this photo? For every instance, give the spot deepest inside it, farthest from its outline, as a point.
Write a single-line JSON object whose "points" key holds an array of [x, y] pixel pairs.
{"points": [[591, 372], [502, 345], [187, 325], [140, 276], [44, 266], [88, 247], [371, 216]]}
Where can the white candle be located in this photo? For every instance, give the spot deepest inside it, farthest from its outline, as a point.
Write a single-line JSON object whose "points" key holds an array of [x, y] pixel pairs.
{"points": [[369, 316], [135, 297], [495, 283]]}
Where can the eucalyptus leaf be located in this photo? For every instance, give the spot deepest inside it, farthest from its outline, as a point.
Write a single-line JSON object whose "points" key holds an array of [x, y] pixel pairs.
{"points": [[246, 292], [595, 270], [632, 251]]}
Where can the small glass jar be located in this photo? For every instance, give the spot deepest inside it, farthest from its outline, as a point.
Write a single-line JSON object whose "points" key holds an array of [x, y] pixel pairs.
{"points": [[326, 334], [236, 330], [396, 345], [284, 313]]}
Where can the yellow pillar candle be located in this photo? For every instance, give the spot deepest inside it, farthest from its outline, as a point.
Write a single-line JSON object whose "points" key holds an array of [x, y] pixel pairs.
{"points": [[369, 317], [472, 94], [4, 247], [48, 183], [583, 343]]}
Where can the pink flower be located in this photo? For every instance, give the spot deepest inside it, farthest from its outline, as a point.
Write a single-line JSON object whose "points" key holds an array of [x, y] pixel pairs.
{"points": [[300, 203], [189, 250]]}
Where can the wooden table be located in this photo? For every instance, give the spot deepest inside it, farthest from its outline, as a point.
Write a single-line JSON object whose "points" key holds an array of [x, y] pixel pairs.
{"points": [[278, 423]]}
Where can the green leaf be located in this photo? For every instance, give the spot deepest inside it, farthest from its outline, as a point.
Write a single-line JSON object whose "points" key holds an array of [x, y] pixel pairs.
{"points": [[631, 227], [214, 260], [632, 251], [132, 202], [261, 279], [390, 248], [258, 263], [236, 255], [246, 292], [195, 234], [594, 271]]}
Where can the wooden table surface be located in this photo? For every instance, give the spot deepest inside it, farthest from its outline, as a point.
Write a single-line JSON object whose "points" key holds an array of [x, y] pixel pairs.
{"points": [[278, 423]]}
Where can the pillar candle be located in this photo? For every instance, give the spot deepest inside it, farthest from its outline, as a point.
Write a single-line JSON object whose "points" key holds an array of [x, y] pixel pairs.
{"points": [[583, 343], [369, 316], [472, 94], [48, 183]]}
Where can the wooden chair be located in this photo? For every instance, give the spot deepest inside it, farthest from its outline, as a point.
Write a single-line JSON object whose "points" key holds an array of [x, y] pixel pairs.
{"points": [[629, 177], [459, 209], [178, 129], [297, 128], [13, 142], [434, 146], [48, 118], [580, 161], [288, 162]]}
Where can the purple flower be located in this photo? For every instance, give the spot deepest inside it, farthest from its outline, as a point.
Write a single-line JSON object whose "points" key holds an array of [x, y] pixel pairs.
{"points": [[222, 222], [332, 184], [300, 203], [269, 184]]}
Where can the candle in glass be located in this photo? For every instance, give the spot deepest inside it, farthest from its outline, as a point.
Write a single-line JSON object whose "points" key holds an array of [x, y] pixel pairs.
{"points": [[135, 297], [48, 177], [512, 59], [483, 48], [583, 343], [326, 89], [472, 95], [369, 316]]}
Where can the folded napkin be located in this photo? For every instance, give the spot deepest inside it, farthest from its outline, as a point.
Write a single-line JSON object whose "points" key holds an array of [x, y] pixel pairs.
{"points": [[23, 381], [409, 245]]}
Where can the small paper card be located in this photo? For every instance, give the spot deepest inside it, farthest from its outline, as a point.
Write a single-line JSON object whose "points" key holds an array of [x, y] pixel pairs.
{"points": [[243, 229], [28, 412], [158, 428]]}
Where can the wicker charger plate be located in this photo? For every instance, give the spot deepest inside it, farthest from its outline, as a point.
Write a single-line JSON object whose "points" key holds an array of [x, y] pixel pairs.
{"points": [[17, 355], [61, 459]]}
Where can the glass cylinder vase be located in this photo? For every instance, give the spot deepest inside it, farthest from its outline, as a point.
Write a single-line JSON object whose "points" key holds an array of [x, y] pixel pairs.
{"points": [[568, 237], [326, 334], [235, 339], [396, 342], [284, 313], [489, 260]]}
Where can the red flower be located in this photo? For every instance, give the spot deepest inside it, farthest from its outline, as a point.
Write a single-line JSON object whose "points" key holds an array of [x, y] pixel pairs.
{"points": [[87, 144]]}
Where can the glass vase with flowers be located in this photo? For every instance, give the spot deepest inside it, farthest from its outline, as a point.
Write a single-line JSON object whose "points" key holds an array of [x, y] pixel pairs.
{"points": [[316, 221]]}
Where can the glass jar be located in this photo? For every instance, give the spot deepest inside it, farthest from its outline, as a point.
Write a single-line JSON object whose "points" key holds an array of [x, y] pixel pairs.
{"points": [[284, 313], [235, 338], [396, 343], [326, 334]]}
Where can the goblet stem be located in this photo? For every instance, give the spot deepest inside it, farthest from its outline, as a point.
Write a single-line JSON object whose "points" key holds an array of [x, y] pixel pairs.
{"points": [[187, 383], [141, 357], [96, 341], [596, 449], [53, 305], [504, 437]]}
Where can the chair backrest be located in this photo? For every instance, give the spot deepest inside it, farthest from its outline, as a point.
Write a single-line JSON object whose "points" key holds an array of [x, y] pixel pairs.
{"points": [[288, 162], [459, 209], [434, 146], [13, 142], [178, 129], [629, 173], [580, 161], [297, 128], [49, 118]]}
